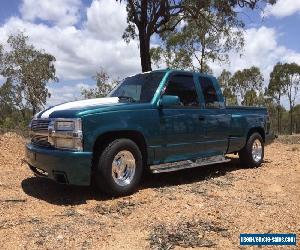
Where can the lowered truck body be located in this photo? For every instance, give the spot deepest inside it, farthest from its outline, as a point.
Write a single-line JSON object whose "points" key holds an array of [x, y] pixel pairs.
{"points": [[150, 121]]}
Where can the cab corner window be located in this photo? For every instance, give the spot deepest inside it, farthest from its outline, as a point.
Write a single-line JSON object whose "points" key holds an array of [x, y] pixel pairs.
{"points": [[209, 93], [183, 86]]}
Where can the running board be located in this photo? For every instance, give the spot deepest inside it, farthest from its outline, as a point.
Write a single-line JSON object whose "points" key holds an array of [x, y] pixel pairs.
{"points": [[175, 166]]}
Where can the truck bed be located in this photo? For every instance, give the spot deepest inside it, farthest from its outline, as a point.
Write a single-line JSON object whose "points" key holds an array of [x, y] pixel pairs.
{"points": [[262, 110], [247, 109]]}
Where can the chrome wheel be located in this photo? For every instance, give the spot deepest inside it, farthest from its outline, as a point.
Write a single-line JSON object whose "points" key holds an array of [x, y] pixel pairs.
{"points": [[257, 150], [123, 168]]}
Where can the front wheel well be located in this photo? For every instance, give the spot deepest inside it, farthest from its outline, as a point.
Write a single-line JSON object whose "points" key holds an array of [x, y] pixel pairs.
{"points": [[104, 139], [259, 130]]}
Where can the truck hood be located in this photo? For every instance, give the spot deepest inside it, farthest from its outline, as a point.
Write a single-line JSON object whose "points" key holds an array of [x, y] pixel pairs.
{"points": [[72, 109]]}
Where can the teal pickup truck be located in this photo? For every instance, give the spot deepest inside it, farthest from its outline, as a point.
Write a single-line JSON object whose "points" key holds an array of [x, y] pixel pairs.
{"points": [[158, 121]]}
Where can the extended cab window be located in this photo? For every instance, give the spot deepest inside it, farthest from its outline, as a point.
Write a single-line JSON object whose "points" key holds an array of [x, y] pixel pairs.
{"points": [[209, 93], [183, 86], [138, 88]]}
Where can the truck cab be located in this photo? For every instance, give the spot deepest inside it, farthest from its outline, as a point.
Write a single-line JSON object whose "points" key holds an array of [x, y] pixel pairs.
{"points": [[158, 121]]}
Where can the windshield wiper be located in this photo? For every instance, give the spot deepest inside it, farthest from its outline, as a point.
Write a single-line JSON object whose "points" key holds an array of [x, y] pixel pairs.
{"points": [[128, 98]]}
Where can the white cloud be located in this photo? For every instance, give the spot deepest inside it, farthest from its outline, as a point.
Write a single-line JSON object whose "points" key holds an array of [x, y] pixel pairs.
{"points": [[81, 51], [2, 80], [60, 12], [261, 50], [282, 8], [106, 19], [64, 93]]}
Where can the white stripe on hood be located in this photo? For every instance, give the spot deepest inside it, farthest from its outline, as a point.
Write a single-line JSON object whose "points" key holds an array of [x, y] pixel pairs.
{"points": [[80, 104]]}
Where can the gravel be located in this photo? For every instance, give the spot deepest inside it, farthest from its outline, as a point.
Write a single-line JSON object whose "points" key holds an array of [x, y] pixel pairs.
{"points": [[207, 207]]}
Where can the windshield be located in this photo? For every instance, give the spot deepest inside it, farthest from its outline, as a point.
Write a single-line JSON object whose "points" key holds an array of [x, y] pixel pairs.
{"points": [[138, 88]]}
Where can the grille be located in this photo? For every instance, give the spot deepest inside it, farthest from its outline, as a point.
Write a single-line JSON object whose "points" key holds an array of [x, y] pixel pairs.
{"points": [[40, 125], [39, 129], [40, 140]]}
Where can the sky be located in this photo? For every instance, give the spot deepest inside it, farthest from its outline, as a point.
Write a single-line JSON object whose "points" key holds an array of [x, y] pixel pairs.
{"points": [[86, 35]]}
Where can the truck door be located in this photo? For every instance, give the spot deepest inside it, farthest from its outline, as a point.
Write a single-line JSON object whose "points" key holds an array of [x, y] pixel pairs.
{"points": [[215, 120], [179, 125]]}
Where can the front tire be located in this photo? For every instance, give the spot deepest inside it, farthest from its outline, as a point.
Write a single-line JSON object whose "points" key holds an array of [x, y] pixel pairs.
{"points": [[252, 154], [119, 168]]}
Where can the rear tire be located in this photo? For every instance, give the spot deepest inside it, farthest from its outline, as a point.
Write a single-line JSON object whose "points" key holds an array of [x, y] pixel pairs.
{"points": [[252, 154], [119, 168]]}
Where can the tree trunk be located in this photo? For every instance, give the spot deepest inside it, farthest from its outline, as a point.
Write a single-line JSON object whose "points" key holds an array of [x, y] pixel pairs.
{"points": [[33, 107], [278, 119], [23, 114], [202, 60], [33, 110], [145, 52], [279, 114], [291, 119]]}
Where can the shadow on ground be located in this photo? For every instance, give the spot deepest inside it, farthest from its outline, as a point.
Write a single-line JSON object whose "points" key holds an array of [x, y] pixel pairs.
{"points": [[58, 194]]}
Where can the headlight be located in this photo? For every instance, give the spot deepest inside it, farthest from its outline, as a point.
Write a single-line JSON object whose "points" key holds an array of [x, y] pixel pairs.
{"points": [[66, 134], [64, 125]]}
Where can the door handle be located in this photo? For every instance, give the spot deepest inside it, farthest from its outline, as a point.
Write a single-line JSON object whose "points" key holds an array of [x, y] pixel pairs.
{"points": [[201, 118]]}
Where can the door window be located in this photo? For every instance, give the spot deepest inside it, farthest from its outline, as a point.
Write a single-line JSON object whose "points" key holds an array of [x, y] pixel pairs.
{"points": [[183, 86], [209, 92]]}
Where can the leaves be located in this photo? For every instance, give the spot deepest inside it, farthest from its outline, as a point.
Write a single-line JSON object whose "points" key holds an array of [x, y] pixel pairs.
{"points": [[104, 86], [285, 80], [204, 36], [27, 71], [206, 20], [245, 84], [291, 84], [224, 79]]}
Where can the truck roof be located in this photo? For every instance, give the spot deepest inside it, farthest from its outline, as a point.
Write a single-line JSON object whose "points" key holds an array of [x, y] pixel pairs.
{"points": [[183, 71]]}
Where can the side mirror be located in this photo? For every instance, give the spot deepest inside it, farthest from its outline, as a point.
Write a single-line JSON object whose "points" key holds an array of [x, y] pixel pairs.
{"points": [[169, 100]]}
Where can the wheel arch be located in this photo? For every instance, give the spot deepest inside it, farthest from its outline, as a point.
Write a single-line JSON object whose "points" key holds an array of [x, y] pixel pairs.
{"points": [[259, 130], [104, 139]]}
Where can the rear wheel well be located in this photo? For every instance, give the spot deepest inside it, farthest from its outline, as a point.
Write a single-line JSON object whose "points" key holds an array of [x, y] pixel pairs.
{"points": [[103, 140], [259, 130]]}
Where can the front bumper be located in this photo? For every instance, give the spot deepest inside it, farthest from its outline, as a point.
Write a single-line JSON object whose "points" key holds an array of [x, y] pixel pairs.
{"points": [[270, 138], [62, 166]]}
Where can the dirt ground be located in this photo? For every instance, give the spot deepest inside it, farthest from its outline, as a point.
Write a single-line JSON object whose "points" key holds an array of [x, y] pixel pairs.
{"points": [[207, 207]]}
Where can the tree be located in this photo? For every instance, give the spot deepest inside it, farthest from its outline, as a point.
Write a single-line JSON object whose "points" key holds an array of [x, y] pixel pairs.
{"points": [[149, 17], [11, 116], [250, 98], [224, 79], [27, 71], [6, 101], [276, 90], [1, 57], [291, 75], [202, 40], [104, 84], [296, 112], [146, 18], [246, 84]]}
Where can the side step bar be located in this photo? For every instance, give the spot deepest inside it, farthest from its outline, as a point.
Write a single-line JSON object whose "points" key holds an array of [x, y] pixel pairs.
{"points": [[175, 166]]}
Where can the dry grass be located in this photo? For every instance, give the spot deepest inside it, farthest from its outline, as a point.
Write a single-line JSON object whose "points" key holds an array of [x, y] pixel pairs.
{"points": [[289, 139], [185, 234]]}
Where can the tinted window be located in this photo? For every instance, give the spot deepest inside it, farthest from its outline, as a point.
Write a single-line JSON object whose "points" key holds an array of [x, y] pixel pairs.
{"points": [[209, 92], [139, 88], [183, 86]]}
